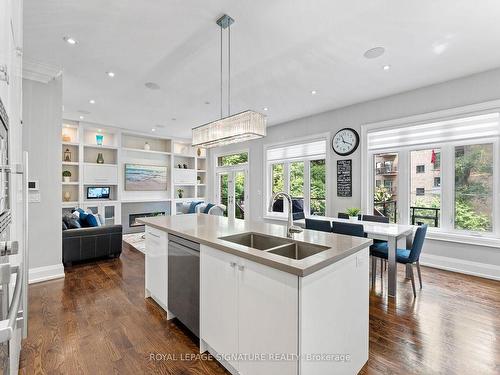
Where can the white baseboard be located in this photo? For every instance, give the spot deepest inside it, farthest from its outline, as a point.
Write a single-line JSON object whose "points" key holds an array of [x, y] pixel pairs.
{"points": [[39, 274], [488, 271]]}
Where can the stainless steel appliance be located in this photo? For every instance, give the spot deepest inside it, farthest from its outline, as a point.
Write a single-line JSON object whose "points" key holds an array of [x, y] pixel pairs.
{"points": [[184, 281], [13, 257]]}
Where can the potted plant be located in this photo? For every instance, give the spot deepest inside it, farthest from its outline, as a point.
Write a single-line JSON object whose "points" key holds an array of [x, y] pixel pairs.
{"points": [[180, 192], [66, 176], [353, 213]]}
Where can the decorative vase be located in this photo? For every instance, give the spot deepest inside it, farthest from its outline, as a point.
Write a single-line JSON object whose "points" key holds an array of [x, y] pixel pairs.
{"points": [[179, 166], [353, 218], [185, 166], [66, 179], [180, 195], [198, 152], [67, 196], [100, 158], [147, 147], [99, 139], [66, 138]]}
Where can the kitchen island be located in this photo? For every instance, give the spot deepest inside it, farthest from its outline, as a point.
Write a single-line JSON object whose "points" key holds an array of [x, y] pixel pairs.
{"points": [[267, 304]]}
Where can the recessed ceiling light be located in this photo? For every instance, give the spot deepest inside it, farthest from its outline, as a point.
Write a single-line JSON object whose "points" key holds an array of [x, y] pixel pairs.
{"points": [[153, 130], [386, 67], [92, 101], [82, 117], [110, 74], [207, 102], [265, 109], [70, 40], [152, 86], [173, 119], [313, 92], [373, 53]]}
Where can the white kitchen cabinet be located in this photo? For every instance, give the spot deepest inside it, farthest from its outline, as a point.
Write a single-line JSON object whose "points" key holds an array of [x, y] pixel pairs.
{"points": [[248, 308], [157, 265], [100, 174], [218, 301], [110, 211]]}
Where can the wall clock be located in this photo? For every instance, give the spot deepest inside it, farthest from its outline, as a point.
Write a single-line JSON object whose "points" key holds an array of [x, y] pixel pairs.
{"points": [[345, 141]]}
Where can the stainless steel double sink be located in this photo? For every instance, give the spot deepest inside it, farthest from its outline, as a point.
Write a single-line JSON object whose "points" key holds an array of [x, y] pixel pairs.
{"points": [[275, 245]]}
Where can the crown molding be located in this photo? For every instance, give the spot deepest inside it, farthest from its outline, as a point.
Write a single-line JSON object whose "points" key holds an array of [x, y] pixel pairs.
{"points": [[39, 71]]}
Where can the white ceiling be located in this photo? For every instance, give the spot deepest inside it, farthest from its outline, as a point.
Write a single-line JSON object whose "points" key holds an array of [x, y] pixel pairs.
{"points": [[281, 50]]}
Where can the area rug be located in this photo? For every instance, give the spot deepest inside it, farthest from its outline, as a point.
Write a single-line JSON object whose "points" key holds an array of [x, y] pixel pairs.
{"points": [[136, 240]]}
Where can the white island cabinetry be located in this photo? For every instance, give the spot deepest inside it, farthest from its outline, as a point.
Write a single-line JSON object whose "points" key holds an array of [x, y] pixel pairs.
{"points": [[157, 265]]}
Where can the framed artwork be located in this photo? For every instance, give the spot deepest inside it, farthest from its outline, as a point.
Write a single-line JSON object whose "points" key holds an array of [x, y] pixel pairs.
{"points": [[145, 177]]}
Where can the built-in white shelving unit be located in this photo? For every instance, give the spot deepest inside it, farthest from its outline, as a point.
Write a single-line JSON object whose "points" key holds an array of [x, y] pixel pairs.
{"points": [[119, 148]]}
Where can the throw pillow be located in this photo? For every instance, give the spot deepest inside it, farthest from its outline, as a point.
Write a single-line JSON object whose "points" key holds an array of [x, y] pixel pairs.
{"points": [[192, 207], [209, 206], [76, 214], [72, 223], [83, 219], [64, 226], [91, 221], [80, 210], [101, 219]]}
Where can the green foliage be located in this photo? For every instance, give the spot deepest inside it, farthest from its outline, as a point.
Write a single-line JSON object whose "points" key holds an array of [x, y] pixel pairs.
{"points": [[278, 178], [382, 195], [233, 159], [467, 218], [353, 212], [66, 174]]}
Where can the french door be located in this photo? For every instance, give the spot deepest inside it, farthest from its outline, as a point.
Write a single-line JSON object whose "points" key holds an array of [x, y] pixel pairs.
{"points": [[232, 192]]}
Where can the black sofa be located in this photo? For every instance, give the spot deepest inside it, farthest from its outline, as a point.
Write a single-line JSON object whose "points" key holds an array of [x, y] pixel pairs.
{"points": [[91, 243]]}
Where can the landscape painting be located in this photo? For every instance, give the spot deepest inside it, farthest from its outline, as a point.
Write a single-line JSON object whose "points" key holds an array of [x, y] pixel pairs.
{"points": [[145, 177]]}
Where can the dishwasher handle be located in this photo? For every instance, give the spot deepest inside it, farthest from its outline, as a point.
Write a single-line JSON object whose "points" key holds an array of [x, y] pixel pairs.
{"points": [[181, 248]]}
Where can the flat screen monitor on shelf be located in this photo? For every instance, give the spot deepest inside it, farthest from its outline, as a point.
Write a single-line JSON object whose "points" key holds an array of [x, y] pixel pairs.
{"points": [[98, 192]]}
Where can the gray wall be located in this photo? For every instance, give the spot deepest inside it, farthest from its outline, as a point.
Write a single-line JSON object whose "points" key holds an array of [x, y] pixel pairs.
{"points": [[42, 119], [460, 92]]}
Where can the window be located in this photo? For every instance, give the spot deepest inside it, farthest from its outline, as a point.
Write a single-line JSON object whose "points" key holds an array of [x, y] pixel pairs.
{"points": [[233, 159], [300, 170], [461, 201], [474, 187], [386, 176]]}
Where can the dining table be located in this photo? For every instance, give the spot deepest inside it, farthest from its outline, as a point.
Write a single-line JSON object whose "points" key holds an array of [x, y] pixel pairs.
{"points": [[389, 232]]}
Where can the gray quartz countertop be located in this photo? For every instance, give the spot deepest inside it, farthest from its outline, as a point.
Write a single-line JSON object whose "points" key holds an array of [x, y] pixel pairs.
{"points": [[206, 230]]}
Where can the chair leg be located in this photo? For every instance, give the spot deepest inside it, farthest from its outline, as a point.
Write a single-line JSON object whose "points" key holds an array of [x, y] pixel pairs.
{"points": [[419, 274], [374, 269], [381, 268], [412, 278], [385, 264]]}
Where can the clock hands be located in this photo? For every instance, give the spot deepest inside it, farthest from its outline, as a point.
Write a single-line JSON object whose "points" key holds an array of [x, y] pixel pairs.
{"points": [[343, 141]]}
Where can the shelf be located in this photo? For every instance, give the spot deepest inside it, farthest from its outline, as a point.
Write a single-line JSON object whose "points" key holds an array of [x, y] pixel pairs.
{"points": [[102, 164], [146, 200], [70, 163], [186, 184], [76, 144], [184, 199], [104, 147], [69, 204], [201, 171], [145, 151], [90, 201], [201, 184], [70, 183], [184, 155]]}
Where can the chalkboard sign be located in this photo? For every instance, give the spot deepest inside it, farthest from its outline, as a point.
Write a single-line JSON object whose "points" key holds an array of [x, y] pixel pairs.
{"points": [[344, 178]]}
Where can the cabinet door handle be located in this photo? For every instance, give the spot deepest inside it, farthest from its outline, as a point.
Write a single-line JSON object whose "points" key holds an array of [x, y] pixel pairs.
{"points": [[154, 235], [241, 268], [232, 264]]}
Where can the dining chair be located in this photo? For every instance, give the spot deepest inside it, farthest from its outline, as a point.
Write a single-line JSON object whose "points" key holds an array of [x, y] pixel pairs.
{"points": [[321, 225], [376, 243], [348, 229], [405, 256], [343, 215]]}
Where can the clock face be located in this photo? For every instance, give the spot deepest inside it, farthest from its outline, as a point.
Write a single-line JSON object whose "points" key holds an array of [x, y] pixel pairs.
{"points": [[345, 141]]}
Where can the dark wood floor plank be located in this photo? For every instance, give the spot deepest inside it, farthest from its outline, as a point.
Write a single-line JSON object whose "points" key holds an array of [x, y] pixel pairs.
{"points": [[96, 321]]}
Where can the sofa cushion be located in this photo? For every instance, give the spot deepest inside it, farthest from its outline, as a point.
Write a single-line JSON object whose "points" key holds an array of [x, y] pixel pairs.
{"points": [[71, 222], [192, 207], [83, 219]]}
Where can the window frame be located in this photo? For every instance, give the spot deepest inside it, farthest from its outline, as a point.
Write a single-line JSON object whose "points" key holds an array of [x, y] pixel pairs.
{"points": [[286, 172], [446, 232]]}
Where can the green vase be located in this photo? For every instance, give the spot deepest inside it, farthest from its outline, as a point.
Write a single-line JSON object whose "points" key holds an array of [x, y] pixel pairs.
{"points": [[100, 158]]}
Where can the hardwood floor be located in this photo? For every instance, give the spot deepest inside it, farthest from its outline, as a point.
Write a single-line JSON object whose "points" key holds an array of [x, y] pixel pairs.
{"points": [[96, 321]]}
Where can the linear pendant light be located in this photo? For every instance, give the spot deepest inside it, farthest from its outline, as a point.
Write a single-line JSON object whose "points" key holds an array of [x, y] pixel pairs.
{"points": [[236, 128]]}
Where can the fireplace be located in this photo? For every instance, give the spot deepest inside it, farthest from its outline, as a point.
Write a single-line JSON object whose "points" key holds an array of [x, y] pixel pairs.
{"points": [[132, 218]]}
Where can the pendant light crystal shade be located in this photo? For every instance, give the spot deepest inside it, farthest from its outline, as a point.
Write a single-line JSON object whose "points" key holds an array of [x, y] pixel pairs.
{"points": [[241, 127]]}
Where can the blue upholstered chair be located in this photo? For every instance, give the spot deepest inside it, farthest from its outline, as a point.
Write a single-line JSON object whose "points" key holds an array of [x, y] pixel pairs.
{"points": [[378, 243], [348, 228], [343, 215], [322, 225], [376, 218], [404, 256]]}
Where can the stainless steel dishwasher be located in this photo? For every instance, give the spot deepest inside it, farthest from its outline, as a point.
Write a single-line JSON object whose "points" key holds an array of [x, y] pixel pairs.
{"points": [[184, 281]]}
